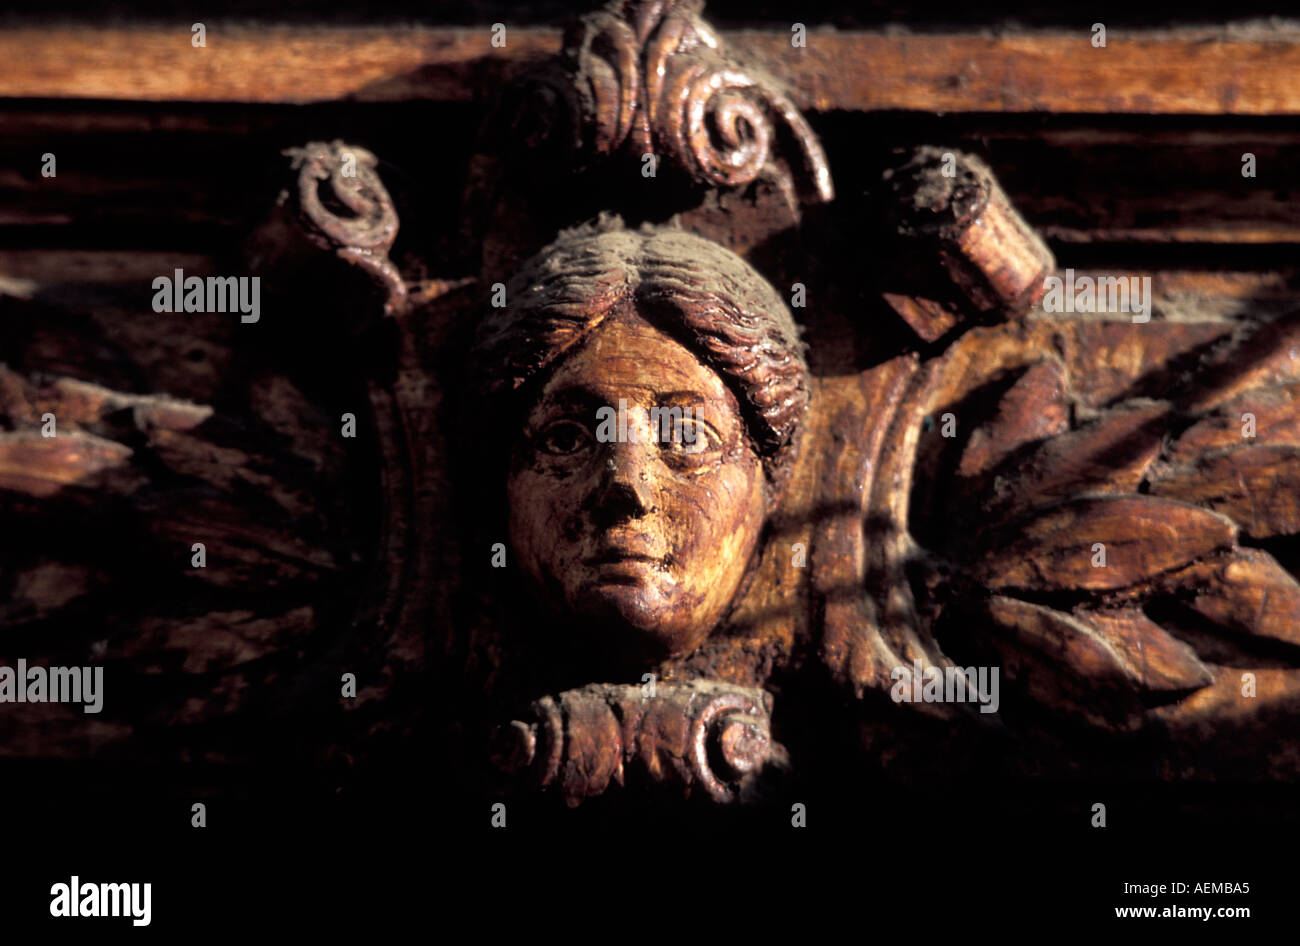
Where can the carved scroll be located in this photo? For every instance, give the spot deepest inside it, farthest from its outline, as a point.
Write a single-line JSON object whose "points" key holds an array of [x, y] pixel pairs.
{"points": [[642, 77], [967, 248], [701, 735], [337, 205]]}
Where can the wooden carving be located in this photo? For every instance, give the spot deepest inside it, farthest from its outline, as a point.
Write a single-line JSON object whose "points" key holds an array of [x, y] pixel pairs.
{"points": [[656, 386], [651, 78], [697, 483]]}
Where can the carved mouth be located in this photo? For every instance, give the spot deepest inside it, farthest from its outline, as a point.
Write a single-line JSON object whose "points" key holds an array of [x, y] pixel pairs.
{"points": [[626, 547], [622, 566], [619, 557]]}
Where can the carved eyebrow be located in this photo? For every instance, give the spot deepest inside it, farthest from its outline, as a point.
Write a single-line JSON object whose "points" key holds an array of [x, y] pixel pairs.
{"points": [[585, 396], [576, 395]]}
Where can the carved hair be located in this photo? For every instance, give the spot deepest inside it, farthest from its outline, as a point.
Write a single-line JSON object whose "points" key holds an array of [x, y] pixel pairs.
{"points": [[701, 294]]}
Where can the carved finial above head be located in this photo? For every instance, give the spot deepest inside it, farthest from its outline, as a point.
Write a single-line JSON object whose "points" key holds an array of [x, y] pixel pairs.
{"points": [[642, 77], [645, 15]]}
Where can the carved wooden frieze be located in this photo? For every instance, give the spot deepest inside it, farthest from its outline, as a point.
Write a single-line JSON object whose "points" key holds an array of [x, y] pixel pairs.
{"points": [[694, 476], [1093, 553], [693, 523]]}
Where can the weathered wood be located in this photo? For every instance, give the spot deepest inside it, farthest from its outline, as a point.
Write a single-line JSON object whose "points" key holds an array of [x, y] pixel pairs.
{"points": [[1256, 485], [1142, 72], [1142, 538], [845, 536], [700, 736], [1070, 663], [1246, 593], [1109, 454], [1157, 661], [1166, 185], [108, 509], [949, 206], [1035, 408]]}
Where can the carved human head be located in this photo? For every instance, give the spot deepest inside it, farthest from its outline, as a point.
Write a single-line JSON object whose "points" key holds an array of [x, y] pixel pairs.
{"points": [[656, 383]]}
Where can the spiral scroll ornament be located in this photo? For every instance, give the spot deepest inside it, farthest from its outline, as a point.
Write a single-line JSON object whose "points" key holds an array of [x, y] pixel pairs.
{"points": [[702, 735], [651, 77], [343, 206]]}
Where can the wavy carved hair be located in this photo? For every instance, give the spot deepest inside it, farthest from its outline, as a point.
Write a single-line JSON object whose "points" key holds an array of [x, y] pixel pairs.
{"points": [[696, 291]]}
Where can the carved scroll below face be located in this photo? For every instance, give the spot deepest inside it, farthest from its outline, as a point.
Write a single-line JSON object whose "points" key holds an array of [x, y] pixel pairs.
{"points": [[636, 495]]}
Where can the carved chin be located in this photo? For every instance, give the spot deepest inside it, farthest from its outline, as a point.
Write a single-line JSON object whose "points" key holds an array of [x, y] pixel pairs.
{"points": [[653, 620]]}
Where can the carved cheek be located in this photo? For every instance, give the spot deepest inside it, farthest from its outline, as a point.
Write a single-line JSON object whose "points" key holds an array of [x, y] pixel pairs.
{"points": [[714, 520], [562, 500], [541, 508], [570, 523], [742, 493], [552, 523]]}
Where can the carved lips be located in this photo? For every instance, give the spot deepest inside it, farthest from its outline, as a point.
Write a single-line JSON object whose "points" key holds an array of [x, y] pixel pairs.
{"points": [[625, 561]]}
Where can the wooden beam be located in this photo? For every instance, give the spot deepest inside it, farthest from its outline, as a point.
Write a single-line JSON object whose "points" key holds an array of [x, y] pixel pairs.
{"points": [[1198, 72], [269, 64]]}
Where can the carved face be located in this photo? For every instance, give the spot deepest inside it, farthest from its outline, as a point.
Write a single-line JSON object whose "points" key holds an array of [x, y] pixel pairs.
{"points": [[644, 540]]}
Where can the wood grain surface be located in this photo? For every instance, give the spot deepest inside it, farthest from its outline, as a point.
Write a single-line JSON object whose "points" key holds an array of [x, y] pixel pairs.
{"points": [[1196, 72]]}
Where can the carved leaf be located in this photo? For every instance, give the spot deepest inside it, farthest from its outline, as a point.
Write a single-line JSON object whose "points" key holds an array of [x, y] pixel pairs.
{"points": [[1061, 661], [1258, 486], [1142, 538], [103, 518], [1247, 592], [1034, 408], [1276, 414], [40, 466], [1268, 358], [1158, 661], [1107, 455]]}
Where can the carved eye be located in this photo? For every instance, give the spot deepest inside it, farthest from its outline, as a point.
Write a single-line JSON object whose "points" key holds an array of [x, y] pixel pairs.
{"points": [[692, 437], [564, 437]]}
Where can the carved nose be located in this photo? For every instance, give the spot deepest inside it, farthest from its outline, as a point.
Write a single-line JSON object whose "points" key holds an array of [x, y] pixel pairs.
{"points": [[624, 490]]}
